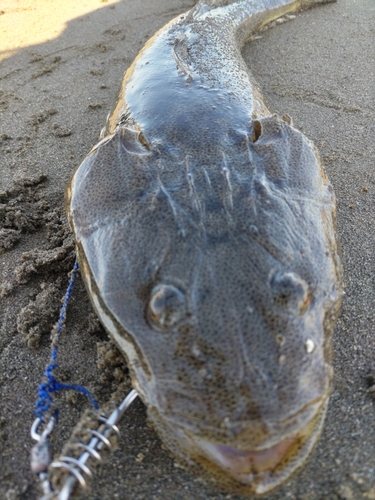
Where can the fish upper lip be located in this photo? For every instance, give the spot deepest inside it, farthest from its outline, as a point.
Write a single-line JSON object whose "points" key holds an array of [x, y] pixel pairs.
{"points": [[317, 401], [244, 464], [270, 430]]}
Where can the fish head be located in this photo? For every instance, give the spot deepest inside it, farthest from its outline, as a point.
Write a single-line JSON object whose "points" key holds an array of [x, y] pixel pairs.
{"points": [[221, 286]]}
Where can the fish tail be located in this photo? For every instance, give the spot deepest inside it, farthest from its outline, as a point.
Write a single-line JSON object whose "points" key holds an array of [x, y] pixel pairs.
{"points": [[266, 4], [247, 16]]}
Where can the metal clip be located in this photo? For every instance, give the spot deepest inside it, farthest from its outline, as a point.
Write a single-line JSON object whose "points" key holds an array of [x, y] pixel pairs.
{"points": [[47, 431], [40, 452]]}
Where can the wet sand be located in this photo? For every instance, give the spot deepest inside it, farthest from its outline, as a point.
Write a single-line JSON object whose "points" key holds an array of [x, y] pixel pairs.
{"points": [[54, 99]]}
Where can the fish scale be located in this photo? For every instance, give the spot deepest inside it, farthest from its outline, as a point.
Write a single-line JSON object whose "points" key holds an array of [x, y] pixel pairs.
{"points": [[205, 231]]}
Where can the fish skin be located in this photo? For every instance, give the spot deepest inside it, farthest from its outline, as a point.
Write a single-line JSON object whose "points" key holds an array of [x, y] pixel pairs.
{"points": [[201, 205]]}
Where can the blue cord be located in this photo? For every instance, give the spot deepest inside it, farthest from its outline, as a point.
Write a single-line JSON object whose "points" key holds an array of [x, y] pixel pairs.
{"points": [[50, 384]]}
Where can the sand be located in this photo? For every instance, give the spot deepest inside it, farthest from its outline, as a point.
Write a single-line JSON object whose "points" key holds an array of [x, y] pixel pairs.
{"points": [[61, 66]]}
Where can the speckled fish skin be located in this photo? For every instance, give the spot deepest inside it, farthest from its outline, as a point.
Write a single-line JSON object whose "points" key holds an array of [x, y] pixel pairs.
{"points": [[205, 230]]}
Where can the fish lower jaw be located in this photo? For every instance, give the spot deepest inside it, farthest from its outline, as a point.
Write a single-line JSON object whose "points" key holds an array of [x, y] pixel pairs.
{"points": [[259, 471]]}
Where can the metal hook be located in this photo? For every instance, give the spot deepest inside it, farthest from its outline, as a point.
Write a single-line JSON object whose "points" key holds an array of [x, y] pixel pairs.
{"points": [[76, 467]]}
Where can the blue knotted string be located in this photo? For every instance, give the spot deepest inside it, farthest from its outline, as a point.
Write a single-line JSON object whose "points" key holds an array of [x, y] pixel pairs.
{"points": [[50, 384]]}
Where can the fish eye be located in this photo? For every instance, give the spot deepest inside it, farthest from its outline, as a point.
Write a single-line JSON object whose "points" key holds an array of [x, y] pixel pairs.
{"points": [[167, 306], [290, 292]]}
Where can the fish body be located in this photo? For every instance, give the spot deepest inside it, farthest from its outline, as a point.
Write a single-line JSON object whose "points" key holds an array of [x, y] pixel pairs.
{"points": [[205, 230]]}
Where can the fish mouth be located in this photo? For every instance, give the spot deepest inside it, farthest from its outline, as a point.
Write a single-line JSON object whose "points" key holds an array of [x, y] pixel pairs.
{"points": [[245, 464], [262, 470]]}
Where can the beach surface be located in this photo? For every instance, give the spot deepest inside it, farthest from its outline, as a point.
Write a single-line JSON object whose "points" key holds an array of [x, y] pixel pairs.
{"points": [[61, 64]]}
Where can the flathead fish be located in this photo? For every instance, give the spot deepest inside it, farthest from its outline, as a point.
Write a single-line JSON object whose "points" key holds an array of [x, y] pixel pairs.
{"points": [[205, 230]]}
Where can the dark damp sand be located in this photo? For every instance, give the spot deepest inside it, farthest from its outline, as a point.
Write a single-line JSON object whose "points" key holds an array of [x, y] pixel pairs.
{"points": [[54, 98]]}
